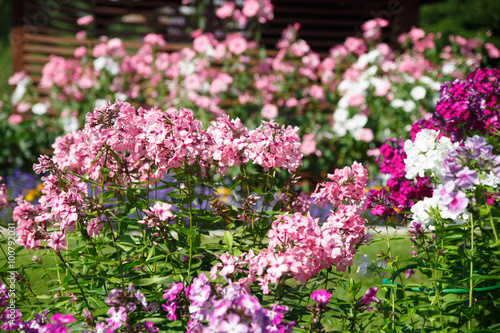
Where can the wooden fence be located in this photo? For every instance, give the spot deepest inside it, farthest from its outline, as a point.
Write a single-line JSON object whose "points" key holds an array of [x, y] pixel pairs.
{"points": [[44, 27]]}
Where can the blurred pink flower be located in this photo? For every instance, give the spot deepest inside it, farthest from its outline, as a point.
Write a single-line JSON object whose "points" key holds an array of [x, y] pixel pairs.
{"points": [[308, 144], [201, 43], [383, 88], [356, 100], [225, 10], [269, 111], [15, 119], [250, 8], [372, 28], [81, 34], [85, 20], [23, 107], [18, 76], [366, 135], [79, 52], [493, 51], [355, 45], [317, 92], [236, 44]]}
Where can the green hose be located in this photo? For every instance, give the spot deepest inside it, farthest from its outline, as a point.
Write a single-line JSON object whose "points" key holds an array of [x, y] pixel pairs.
{"points": [[444, 291]]}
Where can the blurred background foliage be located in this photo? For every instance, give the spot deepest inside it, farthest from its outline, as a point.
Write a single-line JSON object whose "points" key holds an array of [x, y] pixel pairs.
{"points": [[457, 17]]}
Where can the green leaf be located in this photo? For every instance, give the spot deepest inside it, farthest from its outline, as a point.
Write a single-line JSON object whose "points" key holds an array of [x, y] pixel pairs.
{"points": [[149, 281], [228, 239]]}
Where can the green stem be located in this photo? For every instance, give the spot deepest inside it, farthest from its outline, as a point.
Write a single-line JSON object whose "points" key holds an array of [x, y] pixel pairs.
{"points": [[497, 242], [471, 269], [190, 217], [74, 278]]}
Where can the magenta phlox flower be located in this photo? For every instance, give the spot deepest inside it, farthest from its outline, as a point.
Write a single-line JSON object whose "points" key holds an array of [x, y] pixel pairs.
{"points": [[175, 289], [170, 308], [368, 297], [116, 317], [321, 296]]}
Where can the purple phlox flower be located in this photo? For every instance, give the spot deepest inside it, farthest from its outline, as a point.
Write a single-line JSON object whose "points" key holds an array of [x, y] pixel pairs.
{"points": [[445, 192], [41, 318], [233, 324], [87, 315], [148, 327], [369, 297], [116, 318], [459, 203], [467, 178], [10, 323], [115, 297], [141, 298], [321, 296], [131, 288]]}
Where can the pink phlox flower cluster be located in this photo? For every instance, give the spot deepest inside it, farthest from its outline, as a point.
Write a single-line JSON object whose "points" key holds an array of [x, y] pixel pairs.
{"points": [[263, 10], [127, 142], [299, 246], [157, 215], [418, 38], [229, 143], [216, 308], [372, 29], [347, 184], [272, 146], [29, 233], [64, 73]]}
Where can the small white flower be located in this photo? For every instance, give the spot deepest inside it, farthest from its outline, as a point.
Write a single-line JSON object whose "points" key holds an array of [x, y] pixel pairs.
{"points": [[100, 63], [99, 103], [418, 93], [448, 68], [113, 67], [70, 124], [397, 103], [20, 89], [362, 266], [491, 180], [340, 115], [409, 106], [121, 96], [39, 108], [186, 67]]}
